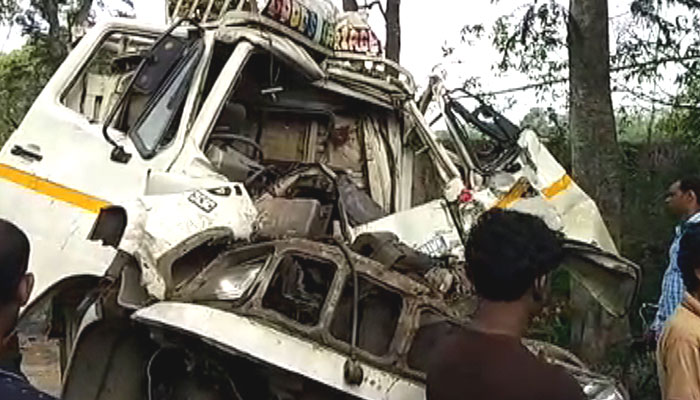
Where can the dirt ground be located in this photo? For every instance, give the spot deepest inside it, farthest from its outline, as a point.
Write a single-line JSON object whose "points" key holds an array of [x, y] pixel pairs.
{"points": [[40, 362]]}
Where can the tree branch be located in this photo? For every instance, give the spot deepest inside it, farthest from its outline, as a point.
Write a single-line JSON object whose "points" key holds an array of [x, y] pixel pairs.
{"points": [[378, 4], [393, 29]]}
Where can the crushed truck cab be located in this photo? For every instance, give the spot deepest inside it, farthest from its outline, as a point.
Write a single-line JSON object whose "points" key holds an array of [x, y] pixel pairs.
{"points": [[250, 203]]}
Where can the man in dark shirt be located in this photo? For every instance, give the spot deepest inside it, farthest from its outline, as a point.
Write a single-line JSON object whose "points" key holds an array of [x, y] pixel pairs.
{"points": [[509, 255], [15, 286]]}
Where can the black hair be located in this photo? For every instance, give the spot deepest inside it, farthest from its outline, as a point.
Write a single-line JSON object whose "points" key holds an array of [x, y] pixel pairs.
{"points": [[691, 183], [14, 259], [507, 251], [689, 257]]}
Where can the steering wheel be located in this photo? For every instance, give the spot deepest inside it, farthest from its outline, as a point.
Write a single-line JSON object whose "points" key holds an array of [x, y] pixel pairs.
{"points": [[259, 156]]}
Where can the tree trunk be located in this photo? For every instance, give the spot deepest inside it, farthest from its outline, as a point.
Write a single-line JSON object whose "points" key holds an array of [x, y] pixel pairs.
{"points": [[48, 9], [393, 29], [82, 13], [595, 158], [78, 21], [350, 5]]}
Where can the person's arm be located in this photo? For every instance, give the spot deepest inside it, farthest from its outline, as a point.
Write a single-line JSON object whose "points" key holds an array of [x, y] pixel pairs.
{"points": [[672, 291], [682, 366]]}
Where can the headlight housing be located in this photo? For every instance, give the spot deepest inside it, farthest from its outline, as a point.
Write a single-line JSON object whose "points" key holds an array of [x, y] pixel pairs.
{"points": [[228, 278]]}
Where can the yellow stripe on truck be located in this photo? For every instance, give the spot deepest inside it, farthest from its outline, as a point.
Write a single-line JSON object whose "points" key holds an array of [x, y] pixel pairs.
{"points": [[515, 193], [520, 187], [557, 187], [51, 189]]}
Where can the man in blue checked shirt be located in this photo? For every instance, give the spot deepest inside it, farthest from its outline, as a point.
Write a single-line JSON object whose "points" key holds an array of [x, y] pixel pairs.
{"points": [[683, 200]]}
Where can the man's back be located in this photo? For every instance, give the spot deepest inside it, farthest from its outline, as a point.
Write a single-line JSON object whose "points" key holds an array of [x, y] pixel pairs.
{"points": [[678, 353], [471, 365]]}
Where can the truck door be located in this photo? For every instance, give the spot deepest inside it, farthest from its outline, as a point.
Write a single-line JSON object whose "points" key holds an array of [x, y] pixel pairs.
{"points": [[56, 170]]}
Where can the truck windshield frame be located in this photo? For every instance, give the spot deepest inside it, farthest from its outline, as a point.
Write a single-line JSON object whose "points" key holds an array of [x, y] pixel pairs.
{"points": [[151, 129], [501, 136]]}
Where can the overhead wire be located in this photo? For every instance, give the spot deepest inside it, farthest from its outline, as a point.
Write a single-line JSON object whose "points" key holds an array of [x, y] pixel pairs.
{"points": [[550, 82]]}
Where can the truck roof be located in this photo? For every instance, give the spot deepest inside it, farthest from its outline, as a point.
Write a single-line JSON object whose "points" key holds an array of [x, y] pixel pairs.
{"points": [[362, 59]]}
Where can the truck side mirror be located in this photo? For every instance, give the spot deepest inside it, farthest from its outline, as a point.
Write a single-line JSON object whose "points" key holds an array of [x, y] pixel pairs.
{"points": [[155, 67]]}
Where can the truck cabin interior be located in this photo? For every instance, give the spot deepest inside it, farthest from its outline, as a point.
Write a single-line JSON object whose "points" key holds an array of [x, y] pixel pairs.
{"points": [[278, 129], [275, 118], [276, 121], [276, 124], [300, 148]]}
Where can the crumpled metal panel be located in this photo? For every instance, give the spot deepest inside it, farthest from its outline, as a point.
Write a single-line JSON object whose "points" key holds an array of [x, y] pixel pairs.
{"points": [[595, 386], [581, 218], [280, 46], [427, 228], [612, 280], [248, 337], [541, 187], [162, 227], [281, 218]]}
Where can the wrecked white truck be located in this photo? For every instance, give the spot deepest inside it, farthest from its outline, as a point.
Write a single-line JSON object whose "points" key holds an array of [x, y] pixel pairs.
{"points": [[251, 205]]}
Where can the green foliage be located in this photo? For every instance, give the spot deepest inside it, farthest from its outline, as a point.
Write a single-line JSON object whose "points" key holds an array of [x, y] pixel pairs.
{"points": [[531, 40], [634, 366], [56, 22], [553, 324], [531, 44], [683, 122], [635, 126], [653, 34], [553, 130], [661, 30], [23, 74]]}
